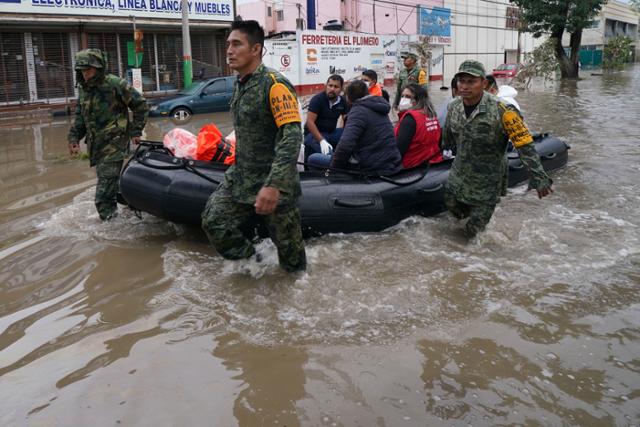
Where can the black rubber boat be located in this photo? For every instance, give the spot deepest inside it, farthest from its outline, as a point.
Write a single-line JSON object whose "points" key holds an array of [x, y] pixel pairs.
{"points": [[177, 189]]}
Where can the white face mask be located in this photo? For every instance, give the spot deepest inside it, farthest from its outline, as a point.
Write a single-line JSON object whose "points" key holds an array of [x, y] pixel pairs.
{"points": [[368, 84], [405, 104]]}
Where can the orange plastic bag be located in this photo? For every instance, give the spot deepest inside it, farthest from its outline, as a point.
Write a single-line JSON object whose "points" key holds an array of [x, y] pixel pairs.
{"points": [[212, 147]]}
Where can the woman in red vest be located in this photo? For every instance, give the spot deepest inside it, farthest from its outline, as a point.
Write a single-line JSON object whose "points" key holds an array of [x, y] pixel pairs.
{"points": [[418, 131]]}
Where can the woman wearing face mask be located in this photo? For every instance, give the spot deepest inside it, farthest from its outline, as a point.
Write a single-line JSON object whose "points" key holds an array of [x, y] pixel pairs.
{"points": [[418, 131]]}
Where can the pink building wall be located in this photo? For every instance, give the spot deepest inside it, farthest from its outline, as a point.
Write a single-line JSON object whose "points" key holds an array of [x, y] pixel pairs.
{"points": [[354, 14]]}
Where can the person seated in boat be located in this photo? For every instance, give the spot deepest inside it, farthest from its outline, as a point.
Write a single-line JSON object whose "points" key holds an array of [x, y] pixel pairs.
{"points": [[505, 92], [370, 77], [418, 131], [325, 108], [367, 143]]}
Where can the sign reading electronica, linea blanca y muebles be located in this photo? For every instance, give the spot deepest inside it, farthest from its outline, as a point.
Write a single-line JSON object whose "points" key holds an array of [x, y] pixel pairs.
{"points": [[211, 10]]}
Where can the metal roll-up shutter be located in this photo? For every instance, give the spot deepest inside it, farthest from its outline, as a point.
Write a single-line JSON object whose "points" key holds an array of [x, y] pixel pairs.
{"points": [[106, 42], [53, 69], [205, 56], [148, 60], [13, 68], [170, 70]]}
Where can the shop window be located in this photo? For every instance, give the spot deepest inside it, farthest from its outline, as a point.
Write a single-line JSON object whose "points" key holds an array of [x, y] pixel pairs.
{"points": [[52, 65], [13, 69], [170, 70], [206, 58], [108, 43], [146, 64]]}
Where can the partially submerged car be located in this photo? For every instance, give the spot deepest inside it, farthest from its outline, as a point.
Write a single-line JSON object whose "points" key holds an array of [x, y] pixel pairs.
{"points": [[204, 96]]}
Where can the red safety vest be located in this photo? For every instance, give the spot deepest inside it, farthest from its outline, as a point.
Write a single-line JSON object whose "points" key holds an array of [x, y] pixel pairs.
{"points": [[425, 145]]}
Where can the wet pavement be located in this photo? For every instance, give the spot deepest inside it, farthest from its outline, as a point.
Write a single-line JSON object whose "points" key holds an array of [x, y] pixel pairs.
{"points": [[140, 322]]}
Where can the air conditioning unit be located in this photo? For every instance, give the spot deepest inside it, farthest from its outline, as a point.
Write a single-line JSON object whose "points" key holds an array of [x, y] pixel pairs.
{"points": [[333, 25]]}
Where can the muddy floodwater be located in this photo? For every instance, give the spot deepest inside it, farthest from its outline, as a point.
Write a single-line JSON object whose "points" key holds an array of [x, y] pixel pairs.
{"points": [[139, 322]]}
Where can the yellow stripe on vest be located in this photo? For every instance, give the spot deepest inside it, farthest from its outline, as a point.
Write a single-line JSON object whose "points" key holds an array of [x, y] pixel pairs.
{"points": [[516, 129], [422, 77], [284, 105]]}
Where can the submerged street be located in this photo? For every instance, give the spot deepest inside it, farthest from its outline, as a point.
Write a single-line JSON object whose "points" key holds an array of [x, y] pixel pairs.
{"points": [[139, 321]]}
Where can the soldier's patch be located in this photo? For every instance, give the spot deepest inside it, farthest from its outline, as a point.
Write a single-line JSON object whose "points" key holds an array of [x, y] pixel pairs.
{"points": [[422, 77], [284, 105], [516, 129]]}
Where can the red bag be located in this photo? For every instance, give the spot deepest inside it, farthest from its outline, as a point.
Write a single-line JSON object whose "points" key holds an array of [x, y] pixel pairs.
{"points": [[212, 147]]}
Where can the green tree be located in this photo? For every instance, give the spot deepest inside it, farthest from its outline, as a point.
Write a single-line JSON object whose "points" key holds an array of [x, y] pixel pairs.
{"points": [[617, 51], [557, 17], [635, 4], [541, 62]]}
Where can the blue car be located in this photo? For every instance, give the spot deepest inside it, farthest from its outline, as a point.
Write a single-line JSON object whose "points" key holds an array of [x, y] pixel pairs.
{"points": [[204, 96]]}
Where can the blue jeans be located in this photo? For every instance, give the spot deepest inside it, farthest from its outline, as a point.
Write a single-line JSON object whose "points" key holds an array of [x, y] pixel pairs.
{"points": [[312, 146], [319, 160]]}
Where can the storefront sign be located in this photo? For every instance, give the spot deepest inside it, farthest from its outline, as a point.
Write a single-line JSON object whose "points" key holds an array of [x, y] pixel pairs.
{"points": [[210, 10], [344, 53], [136, 79]]}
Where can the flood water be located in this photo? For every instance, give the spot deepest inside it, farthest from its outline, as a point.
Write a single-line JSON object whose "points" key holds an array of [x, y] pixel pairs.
{"points": [[140, 322]]}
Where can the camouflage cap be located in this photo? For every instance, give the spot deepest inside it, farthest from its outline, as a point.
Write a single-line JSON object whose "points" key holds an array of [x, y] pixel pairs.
{"points": [[472, 67], [89, 58], [409, 55]]}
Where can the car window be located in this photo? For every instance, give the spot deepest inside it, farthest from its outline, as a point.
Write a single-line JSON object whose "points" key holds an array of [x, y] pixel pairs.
{"points": [[511, 67], [218, 86]]}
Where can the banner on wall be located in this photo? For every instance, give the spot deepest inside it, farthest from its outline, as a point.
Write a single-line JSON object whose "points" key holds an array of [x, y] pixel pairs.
{"points": [[435, 23], [210, 10]]}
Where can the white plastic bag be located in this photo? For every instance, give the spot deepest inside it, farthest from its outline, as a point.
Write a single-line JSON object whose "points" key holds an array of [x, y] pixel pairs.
{"points": [[181, 143]]}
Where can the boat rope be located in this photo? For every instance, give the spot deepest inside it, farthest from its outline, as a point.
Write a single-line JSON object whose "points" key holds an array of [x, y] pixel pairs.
{"points": [[188, 165], [367, 178]]}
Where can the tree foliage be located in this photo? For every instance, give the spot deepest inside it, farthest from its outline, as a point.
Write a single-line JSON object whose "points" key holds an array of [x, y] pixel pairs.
{"points": [[541, 62], [556, 17], [617, 52]]}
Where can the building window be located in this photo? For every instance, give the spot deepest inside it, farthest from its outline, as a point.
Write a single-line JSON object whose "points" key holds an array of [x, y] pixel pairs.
{"points": [[513, 18], [53, 69], [268, 10], [13, 68], [280, 15]]}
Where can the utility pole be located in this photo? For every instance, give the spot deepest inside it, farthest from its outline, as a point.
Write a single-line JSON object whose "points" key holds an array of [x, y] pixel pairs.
{"points": [[134, 38], [374, 17], [187, 66]]}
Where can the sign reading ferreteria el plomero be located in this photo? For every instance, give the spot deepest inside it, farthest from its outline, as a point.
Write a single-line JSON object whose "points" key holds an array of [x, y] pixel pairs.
{"points": [[211, 10], [314, 55]]}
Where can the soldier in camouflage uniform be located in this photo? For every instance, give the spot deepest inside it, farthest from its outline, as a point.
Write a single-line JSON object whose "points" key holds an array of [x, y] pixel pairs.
{"points": [[410, 74], [264, 179], [479, 127], [102, 118]]}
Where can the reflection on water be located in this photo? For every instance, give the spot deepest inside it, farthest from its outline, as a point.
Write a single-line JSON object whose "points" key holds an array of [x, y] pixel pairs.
{"points": [[139, 321]]}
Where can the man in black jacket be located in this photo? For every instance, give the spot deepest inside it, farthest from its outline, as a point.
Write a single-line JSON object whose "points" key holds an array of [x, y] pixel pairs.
{"points": [[368, 142]]}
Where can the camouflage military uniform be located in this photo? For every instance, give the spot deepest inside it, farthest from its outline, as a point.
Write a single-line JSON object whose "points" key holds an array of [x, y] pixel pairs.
{"points": [[102, 118], [414, 75], [478, 175], [265, 157]]}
